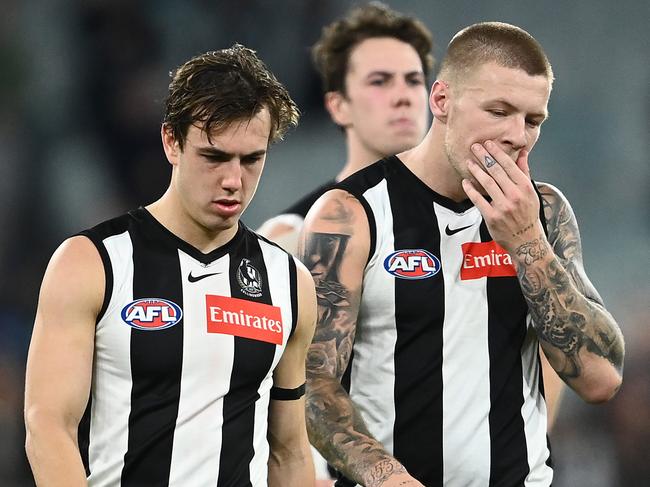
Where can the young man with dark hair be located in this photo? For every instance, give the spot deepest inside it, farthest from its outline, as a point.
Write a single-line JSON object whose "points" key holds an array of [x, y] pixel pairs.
{"points": [[374, 64], [180, 332], [439, 272]]}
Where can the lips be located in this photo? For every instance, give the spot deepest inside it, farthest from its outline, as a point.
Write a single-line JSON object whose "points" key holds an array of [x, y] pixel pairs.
{"points": [[227, 207], [403, 123]]}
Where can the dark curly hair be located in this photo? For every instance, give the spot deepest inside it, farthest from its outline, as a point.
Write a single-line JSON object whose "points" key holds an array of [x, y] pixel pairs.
{"points": [[331, 54], [225, 86]]}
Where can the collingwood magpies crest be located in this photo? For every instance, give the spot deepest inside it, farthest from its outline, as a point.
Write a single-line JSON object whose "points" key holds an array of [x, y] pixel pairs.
{"points": [[249, 279]]}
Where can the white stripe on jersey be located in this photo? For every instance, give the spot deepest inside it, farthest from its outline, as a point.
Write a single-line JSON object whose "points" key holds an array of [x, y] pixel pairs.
{"points": [[111, 389], [373, 365], [466, 361], [204, 377], [534, 413]]}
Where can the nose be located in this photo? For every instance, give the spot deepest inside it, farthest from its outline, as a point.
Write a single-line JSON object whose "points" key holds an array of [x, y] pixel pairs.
{"points": [[231, 179], [402, 94], [515, 135]]}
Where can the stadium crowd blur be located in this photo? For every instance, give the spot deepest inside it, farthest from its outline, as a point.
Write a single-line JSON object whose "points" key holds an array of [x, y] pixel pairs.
{"points": [[81, 87]]}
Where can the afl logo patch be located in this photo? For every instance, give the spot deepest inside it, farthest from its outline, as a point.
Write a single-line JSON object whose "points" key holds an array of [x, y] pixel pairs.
{"points": [[249, 279], [151, 314], [412, 264]]}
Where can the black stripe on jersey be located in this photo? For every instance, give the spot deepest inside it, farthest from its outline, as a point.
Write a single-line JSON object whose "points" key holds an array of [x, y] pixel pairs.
{"points": [[83, 437], [418, 350], [293, 290], [506, 304], [542, 216], [372, 226], [251, 362], [156, 363], [96, 239]]}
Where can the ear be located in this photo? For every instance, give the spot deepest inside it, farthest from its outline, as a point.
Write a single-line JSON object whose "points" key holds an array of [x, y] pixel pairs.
{"points": [[337, 105], [439, 100], [170, 144]]}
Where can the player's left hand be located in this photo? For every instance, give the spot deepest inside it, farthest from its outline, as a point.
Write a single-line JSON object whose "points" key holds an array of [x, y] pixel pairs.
{"points": [[512, 214]]}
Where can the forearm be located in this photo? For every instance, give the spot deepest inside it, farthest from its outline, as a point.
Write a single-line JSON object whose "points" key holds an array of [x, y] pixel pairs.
{"points": [[337, 430], [581, 340], [294, 468], [54, 456]]}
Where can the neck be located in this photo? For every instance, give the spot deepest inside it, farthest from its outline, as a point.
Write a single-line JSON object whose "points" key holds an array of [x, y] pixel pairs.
{"points": [[171, 214], [428, 161]]}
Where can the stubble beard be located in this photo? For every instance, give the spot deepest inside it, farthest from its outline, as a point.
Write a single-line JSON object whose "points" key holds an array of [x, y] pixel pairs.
{"points": [[460, 168], [455, 163]]}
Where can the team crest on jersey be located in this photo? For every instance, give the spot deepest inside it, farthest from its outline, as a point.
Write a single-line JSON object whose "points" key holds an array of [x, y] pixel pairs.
{"points": [[249, 278], [412, 264], [151, 314]]}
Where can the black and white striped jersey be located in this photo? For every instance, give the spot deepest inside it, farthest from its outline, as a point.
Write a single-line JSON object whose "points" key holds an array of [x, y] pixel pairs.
{"points": [[185, 348], [445, 366]]}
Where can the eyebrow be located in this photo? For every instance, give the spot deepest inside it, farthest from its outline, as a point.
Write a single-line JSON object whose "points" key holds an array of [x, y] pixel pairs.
{"points": [[510, 106], [393, 73], [218, 153]]}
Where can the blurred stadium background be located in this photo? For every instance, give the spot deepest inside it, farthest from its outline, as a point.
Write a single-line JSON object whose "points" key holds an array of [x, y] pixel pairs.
{"points": [[81, 86]]}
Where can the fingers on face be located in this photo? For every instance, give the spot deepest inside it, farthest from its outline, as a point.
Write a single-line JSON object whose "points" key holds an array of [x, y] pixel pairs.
{"points": [[498, 164], [487, 178]]}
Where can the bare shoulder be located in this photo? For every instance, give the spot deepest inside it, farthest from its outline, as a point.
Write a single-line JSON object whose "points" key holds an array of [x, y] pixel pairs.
{"points": [[74, 279], [552, 196], [337, 209], [563, 233], [564, 237], [59, 363]]}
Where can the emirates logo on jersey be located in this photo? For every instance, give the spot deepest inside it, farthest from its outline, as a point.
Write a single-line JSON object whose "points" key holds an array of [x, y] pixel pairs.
{"points": [[242, 318], [485, 259], [249, 278]]}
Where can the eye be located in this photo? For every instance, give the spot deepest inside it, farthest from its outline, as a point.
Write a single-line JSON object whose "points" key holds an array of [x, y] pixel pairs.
{"points": [[533, 123], [378, 81], [414, 81], [249, 161], [498, 113], [214, 158]]}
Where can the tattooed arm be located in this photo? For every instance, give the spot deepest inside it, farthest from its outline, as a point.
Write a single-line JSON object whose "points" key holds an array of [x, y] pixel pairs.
{"points": [[579, 337], [334, 246]]}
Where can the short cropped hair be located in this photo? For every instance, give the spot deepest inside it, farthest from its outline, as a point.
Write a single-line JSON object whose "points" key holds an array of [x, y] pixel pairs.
{"points": [[504, 44], [331, 53], [221, 87]]}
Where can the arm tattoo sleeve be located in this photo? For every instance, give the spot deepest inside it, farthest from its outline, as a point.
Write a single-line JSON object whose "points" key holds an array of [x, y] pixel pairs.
{"points": [[567, 311], [335, 426], [323, 257]]}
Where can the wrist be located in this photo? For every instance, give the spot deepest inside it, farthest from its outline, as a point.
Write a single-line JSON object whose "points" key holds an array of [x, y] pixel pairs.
{"points": [[383, 471], [532, 252]]}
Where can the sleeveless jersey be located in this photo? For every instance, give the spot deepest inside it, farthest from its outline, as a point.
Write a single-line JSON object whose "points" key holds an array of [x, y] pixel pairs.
{"points": [[445, 367], [185, 348]]}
